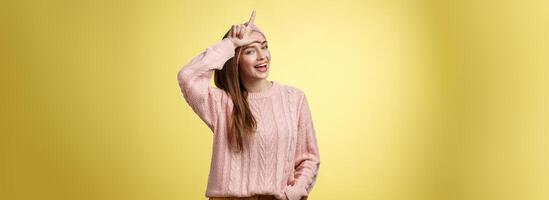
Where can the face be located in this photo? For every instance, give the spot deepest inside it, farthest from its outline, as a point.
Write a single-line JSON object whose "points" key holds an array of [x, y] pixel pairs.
{"points": [[255, 58]]}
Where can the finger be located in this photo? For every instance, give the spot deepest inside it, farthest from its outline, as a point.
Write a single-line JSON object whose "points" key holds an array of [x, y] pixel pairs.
{"points": [[241, 31], [251, 21], [238, 30], [233, 31], [247, 30]]}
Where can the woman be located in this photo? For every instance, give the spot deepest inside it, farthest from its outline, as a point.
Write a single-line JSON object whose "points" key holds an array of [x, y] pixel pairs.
{"points": [[264, 144]]}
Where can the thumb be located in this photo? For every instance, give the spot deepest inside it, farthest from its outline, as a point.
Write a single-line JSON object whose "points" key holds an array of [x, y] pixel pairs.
{"points": [[249, 26], [246, 41]]}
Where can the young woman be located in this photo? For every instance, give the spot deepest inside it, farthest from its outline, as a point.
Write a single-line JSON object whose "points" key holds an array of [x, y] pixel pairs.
{"points": [[264, 143]]}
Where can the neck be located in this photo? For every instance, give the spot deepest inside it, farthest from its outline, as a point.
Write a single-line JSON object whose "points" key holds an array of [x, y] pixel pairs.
{"points": [[256, 85]]}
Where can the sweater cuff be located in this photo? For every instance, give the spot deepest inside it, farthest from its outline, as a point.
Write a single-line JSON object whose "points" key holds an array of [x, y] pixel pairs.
{"points": [[225, 47], [295, 192], [219, 53]]}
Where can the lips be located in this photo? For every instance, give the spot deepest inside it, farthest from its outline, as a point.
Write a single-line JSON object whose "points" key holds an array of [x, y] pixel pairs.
{"points": [[261, 67]]}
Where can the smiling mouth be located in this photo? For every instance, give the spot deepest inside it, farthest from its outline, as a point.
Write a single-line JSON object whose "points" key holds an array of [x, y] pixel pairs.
{"points": [[261, 67]]}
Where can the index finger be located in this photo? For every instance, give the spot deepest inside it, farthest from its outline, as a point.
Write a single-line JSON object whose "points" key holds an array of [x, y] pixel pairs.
{"points": [[252, 18]]}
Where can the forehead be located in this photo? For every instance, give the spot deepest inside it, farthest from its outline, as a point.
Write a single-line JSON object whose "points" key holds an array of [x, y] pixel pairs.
{"points": [[257, 37]]}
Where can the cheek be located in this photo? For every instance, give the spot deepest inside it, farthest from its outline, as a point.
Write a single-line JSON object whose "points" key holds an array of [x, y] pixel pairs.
{"points": [[268, 54], [247, 62]]}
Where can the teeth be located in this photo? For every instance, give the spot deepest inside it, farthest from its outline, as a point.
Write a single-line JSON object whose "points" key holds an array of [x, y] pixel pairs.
{"points": [[262, 65]]}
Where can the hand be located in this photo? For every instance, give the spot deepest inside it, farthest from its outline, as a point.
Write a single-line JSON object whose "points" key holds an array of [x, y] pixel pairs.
{"points": [[240, 33]]}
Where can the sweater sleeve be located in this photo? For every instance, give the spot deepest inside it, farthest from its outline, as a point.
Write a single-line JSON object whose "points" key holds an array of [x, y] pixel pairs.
{"points": [[307, 158], [194, 79]]}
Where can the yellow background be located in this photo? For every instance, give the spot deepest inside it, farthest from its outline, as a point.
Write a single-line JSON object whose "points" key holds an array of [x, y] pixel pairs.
{"points": [[422, 99]]}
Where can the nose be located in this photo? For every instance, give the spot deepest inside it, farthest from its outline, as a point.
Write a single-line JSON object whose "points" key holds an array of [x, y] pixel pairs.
{"points": [[261, 55]]}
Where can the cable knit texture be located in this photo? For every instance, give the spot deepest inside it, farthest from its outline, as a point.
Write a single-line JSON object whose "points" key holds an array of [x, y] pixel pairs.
{"points": [[282, 157]]}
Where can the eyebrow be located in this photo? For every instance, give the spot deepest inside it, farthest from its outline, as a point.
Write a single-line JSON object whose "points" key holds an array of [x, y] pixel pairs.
{"points": [[264, 42]]}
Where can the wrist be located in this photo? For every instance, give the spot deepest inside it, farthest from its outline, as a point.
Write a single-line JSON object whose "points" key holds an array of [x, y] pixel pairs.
{"points": [[233, 43]]}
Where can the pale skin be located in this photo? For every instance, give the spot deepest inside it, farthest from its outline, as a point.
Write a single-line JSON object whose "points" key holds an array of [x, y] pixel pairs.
{"points": [[254, 52]]}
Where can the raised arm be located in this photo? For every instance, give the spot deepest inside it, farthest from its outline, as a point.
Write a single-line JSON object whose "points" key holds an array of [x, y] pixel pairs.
{"points": [[194, 79], [307, 158]]}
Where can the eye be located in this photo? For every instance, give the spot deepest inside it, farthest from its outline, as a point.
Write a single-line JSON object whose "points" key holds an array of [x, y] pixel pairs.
{"points": [[265, 47], [248, 52]]}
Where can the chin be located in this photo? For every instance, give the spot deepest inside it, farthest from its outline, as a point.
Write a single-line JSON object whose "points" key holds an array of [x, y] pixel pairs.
{"points": [[263, 76]]}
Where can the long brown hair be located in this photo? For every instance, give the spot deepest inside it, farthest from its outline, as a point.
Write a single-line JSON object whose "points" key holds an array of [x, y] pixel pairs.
{"points": [[243, 122]]}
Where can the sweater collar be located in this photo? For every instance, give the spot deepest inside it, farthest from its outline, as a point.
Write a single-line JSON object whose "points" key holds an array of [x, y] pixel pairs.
{"points": [[265, 93]]}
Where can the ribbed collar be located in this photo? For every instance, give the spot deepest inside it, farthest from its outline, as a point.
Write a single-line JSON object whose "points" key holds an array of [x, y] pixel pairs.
{"points": [[265, 93]]}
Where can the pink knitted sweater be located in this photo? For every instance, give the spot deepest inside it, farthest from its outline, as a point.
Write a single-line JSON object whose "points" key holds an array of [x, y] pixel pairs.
{"points": [[281, 159]]}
